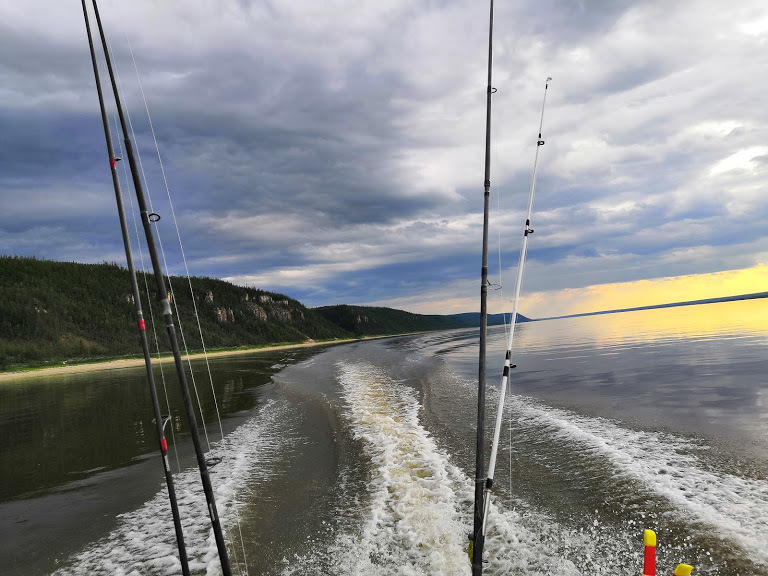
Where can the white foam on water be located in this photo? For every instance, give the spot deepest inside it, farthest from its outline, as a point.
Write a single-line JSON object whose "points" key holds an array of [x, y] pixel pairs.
{"points": [[525, 542], [144, 541], [418, 511], [736, 508], [411, 525]]}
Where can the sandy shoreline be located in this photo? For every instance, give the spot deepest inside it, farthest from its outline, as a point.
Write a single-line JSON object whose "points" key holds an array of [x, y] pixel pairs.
{"points": [[132, 362]]}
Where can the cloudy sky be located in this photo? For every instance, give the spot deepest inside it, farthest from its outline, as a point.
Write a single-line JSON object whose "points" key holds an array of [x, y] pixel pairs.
{"points": [[333, 150]]}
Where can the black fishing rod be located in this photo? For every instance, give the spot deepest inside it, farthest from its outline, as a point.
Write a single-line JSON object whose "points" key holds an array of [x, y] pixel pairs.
{"points": [[477, 538], [162, 296], [139, 313]]}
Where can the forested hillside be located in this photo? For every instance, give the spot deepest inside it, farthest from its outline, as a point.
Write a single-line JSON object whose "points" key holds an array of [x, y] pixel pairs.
{"points": [[54, 312], [62, 311], [374, 321]]}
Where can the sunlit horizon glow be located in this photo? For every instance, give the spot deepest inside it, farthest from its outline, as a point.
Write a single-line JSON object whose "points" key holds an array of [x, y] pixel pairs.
{"points": [[602, 297], [704, 322], [647, 292]]}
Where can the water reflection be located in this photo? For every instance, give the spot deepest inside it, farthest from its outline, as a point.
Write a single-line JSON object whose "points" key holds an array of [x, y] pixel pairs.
{"points": [[59, 429], [697, 368], [724, 320]]}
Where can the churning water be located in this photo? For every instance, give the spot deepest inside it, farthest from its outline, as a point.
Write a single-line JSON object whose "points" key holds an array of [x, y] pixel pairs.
{"points": [[359, 459]]}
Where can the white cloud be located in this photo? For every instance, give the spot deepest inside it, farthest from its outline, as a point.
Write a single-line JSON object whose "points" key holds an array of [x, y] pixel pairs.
{"points": [[755, 28], [741, 160]]}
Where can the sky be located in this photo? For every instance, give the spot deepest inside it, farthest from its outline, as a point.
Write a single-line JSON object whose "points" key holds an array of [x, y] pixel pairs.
{"points": [[333, 151]]}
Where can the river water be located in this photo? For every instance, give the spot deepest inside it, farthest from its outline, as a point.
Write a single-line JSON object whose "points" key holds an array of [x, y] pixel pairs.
{"points": [[358, 458]]}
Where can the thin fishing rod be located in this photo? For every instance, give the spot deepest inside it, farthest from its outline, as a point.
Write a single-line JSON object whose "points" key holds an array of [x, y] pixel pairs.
{"points": [[137, 302], [518, 285], [477, 539], [162, 295]]}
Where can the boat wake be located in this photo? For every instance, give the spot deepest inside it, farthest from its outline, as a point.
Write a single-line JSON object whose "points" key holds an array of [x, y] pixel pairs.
{"points": [[144, 541], [412, 524], [416, 515], [418, 510], [407, 510], [664, 466]]}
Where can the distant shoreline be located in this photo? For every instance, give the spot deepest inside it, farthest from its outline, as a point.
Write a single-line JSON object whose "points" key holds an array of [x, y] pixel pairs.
{"points": [[134, 362]]}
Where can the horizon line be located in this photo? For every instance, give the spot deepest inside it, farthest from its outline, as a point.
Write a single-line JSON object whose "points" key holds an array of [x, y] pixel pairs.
{"points": [[753, 296]]}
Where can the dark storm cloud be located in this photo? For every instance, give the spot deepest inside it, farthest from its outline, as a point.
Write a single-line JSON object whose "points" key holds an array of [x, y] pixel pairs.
{"points": [[299, 148], [38, 67], [392, 281], [335, 153], [44, 146], [567, 21]]}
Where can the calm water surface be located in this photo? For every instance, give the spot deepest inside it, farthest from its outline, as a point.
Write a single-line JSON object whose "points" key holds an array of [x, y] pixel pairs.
{"points": [[358, 458]]}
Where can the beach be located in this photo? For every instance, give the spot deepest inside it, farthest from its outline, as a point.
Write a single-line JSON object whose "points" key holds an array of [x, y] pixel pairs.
{"points": [[133, 362]]}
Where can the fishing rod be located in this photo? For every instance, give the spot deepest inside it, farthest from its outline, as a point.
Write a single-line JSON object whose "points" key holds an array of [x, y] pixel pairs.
{"points": [[477, 538], [147, 218], [159, 421], [518, 285]]}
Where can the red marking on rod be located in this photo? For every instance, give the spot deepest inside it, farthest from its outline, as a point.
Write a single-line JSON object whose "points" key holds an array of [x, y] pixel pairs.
{"points": [[163, 444], [141, 324], [112, 163], [649, 561]]}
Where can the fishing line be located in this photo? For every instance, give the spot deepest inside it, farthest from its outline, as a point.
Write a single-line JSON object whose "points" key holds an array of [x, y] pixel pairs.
{"points": [[513, 320], [499, 228], [165, 263], [224, 445], [135, 293], [164, 299], [149, 299], [178, 236], [507, 325], [495, 150]]}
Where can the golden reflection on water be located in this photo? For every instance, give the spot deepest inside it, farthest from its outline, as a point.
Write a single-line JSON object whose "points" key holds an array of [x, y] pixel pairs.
{"points": [[744, 318]]}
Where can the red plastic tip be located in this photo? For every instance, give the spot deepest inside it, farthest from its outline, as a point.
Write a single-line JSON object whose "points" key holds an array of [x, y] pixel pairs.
{"points": [[649, 556], [163, 444], [142, 326], [649, 561], [112, 163]]}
